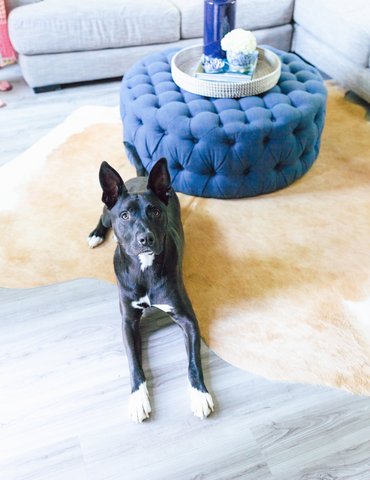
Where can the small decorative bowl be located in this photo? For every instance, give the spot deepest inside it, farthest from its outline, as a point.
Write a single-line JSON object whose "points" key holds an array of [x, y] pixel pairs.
{"points": [[242, 62], [212, 64]]}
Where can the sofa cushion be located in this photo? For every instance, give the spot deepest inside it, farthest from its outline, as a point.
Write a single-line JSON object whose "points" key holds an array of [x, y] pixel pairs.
{"points": [[64, 26], [250, 14], [344, 25]]}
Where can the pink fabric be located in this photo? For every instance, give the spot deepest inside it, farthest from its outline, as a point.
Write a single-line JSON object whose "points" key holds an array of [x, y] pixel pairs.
{"points": [[7, 53]]}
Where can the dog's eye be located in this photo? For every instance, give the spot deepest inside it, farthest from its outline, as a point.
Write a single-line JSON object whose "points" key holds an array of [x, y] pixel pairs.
{"points": [[156, 212], [125, 215]]}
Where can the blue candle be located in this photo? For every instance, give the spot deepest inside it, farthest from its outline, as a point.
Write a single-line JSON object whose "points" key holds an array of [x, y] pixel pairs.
{"points": [[219, 19]]}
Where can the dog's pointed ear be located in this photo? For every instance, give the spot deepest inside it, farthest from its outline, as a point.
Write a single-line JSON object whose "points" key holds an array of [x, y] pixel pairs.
{"points": [[160, 181], [112, 185]]}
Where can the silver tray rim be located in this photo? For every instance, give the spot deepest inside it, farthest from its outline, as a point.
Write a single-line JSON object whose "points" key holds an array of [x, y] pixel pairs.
{"points": [[199, 86]]}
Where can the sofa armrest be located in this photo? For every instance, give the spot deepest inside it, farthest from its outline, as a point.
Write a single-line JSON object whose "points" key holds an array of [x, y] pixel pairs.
{"points": [[11, 4]]}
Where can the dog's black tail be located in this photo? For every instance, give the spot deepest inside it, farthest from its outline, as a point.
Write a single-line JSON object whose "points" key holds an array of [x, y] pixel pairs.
{"points": [[135, 160]]}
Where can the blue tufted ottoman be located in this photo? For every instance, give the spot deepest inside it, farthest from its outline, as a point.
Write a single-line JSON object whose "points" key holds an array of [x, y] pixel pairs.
{"points": [[224, 148]]}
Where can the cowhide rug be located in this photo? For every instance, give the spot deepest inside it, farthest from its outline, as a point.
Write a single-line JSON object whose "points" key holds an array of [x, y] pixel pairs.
{"points": [[280, 283]]}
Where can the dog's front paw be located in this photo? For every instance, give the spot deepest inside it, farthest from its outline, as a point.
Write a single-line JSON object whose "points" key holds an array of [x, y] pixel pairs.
{"points": [[139, 404], [201, 403], [93, 241]]}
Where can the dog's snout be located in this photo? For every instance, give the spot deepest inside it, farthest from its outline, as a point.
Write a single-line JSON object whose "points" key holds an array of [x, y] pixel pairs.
{"points": [[146, 239]]}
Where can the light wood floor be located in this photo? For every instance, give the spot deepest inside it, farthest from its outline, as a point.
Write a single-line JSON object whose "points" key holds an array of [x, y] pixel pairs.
{"points": [[64, 378], [64, 383]]}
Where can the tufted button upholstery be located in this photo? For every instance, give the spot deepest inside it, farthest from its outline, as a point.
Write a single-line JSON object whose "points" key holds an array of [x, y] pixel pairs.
{"points": [[225, 148]]}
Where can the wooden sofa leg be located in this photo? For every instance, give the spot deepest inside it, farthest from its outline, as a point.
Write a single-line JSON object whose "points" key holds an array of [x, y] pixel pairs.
{"points": [[47, 88]]}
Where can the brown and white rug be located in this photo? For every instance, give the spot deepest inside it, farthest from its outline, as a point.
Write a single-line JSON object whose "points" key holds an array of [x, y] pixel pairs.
{"points": [[280, 283]]}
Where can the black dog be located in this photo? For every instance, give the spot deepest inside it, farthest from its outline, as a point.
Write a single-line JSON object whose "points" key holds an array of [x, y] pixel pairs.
{"points": [[145, 216]]}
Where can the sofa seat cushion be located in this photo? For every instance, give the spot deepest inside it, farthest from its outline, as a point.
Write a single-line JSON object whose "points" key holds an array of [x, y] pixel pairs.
{"points": [[250, 14], [344, 25], [65, 26]]}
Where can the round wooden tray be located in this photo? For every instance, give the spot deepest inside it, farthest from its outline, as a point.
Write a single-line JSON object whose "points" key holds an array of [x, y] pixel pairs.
{"points": [[185, 62]]}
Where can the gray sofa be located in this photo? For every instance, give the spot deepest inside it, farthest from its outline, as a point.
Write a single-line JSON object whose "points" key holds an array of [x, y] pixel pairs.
{"points": [[64, 41]]}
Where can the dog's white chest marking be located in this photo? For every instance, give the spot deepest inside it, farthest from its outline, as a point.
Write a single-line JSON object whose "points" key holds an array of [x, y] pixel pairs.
{"points": [[164, 307], [144, 302], [146, 260]]}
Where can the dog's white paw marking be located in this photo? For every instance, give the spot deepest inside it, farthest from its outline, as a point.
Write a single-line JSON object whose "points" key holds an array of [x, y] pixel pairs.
{"points": [[146, 260], [94, 241], [164, 307], [142, 303], [201, 403], [139, 405]]}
